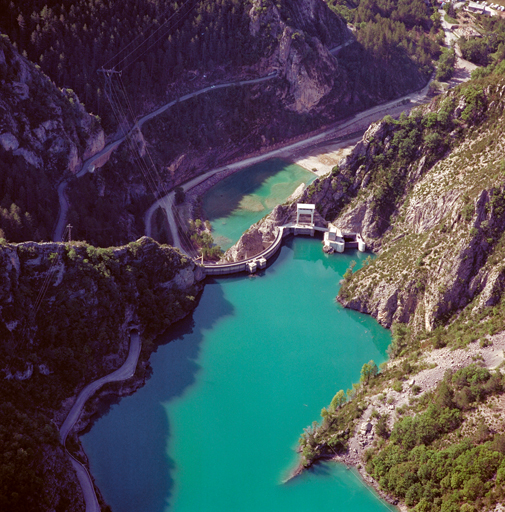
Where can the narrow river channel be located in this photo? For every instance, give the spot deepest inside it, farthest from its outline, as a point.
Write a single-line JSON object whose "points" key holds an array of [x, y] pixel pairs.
{"points": [[216, 426]]}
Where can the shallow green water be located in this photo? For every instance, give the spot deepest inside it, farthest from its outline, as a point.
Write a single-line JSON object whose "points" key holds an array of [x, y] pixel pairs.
{"points": [[216, 426], [243, 198]]}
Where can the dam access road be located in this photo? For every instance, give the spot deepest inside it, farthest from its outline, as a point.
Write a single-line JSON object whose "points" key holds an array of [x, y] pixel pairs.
{"points": [[124, 372], [358, 122], [88, 165]]}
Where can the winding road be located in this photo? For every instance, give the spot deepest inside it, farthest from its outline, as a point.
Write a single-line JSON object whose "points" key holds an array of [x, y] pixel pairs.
{"points": [[450, 36], [167, 203], [335, 50], [126, 371], [87, 165]]}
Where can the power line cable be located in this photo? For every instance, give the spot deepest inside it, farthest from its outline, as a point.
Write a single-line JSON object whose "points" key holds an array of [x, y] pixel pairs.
{"points": [[118, 111], [49, 276], [154, 172], [149, 175], [142, 35], [158, 39], [129, 106]]}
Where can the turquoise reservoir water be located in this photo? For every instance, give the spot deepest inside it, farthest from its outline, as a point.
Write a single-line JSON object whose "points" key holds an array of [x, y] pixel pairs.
{"points": [[216, 426], [243, 198]]}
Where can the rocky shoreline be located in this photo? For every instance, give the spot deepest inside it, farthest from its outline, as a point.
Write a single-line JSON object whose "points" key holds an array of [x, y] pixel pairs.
{"points": [[98, 404], [437, 362], [351, 460], [87, 278]]}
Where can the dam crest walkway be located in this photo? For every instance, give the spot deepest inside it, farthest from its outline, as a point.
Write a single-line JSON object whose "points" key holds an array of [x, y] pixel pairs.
{"points": [[260, 260]]}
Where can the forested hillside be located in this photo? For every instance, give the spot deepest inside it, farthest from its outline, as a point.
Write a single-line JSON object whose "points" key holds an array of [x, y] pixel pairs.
{"points": [[65, 316], [71, 40], [325, 72], [45, 134], [387, 29], [489, 46], [427, 192]]}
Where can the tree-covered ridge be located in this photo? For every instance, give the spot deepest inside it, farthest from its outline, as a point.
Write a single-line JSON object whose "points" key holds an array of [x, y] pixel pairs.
{"points": [[81, 283], [189, 39], [388, 28], [436, 457], [417, 463], [489, 48], [428, 192], [43, 131], [71, 40], [65, 312]]}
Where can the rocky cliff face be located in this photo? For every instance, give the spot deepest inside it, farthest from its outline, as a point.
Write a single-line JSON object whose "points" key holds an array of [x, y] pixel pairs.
{"points": [[45, 134], [428, 194], [65, 316], [318, 81], [317, 54], [48, 127], [306, 32], [261, 235]]}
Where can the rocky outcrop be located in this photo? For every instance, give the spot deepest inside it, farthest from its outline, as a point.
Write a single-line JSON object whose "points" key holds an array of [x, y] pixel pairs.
{"points": [[45, 134], [261, 235], [432, 207], [305, 31], [46, 126], [66, 312]]}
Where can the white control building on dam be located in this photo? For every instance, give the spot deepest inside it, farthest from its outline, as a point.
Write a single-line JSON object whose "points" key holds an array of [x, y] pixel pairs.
{"points": [[334, 240]]}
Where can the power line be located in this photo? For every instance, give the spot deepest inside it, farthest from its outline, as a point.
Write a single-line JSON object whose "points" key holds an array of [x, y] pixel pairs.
{"points": [[149, 176], [162, 36], [154, 181], [138, 46], [118, 111], [157, 178], [140, 36], [154, 174], [150, 172]]}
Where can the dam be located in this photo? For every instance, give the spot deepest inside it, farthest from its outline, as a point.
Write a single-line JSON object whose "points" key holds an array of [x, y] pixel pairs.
{"points": [[215, 427], [334, 241]]}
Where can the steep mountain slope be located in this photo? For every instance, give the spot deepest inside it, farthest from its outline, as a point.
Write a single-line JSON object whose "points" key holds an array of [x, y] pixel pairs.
{"points": [[427, 192], [315, 85], [65, 316], [45, 133], [189, 41], [323, 74]]}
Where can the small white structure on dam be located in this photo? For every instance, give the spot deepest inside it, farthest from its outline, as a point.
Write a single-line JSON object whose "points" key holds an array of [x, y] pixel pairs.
{"points": [[305, 213], [304, 219], [251, 266], [335, 240]]}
